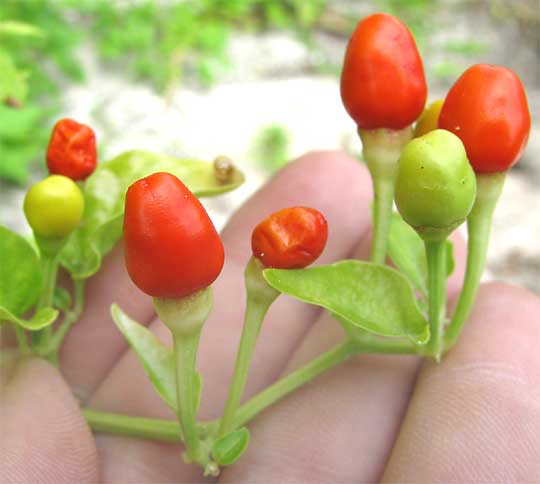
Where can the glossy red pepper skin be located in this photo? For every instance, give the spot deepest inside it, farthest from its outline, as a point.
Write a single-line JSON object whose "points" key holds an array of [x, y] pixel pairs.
{"points": [[72, 150], [290, 239], [171, 246], [383, 83], [487, 109]]}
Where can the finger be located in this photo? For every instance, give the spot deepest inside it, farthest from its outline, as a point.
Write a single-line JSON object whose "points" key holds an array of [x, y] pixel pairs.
{"points": [[82, 365], [476, 416], [330, 182], [339, 428], [44, 437]]}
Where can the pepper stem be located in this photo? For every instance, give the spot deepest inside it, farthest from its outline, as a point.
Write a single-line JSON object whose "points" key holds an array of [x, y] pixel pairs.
{"points": [[49, 250], [185, 318], [259, 298], [488, 191], [185, 355], [382, 149], [436, 263]]}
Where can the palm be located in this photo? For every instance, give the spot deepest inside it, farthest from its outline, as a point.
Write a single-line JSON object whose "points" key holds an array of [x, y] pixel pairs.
{"points": [[476, 416]]}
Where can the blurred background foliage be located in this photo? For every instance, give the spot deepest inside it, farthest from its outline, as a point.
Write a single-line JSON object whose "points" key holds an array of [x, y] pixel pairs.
{"points": [[165, 43], [156, 42]]}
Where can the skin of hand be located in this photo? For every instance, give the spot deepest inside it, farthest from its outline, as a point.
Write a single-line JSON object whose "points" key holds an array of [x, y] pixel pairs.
{"points": [[475, 417]]}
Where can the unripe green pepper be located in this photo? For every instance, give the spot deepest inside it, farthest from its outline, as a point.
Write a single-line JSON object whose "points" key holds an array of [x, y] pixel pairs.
{"points": [[54, 207], [436, 186]]}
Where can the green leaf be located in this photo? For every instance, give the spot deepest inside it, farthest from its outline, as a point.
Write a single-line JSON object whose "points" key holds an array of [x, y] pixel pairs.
{"points": [[199, 176], [157, 360], [20, 273], [41, 319], [104, 194], [229, 449], [373, 297], [407, 251], [80, 256], [61, 299]]}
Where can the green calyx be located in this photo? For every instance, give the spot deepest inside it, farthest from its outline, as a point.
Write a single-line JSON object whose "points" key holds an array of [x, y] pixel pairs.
{"points": [[436, 186], [185, 316]]}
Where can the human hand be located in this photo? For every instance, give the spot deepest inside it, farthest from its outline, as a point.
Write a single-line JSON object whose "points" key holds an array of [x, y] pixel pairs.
{"points": [[473, 417]]}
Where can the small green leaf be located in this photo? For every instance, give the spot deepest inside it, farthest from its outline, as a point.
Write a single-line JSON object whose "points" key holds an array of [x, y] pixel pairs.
{"points": [[20, 273], [373, 297], [104, 194], [198, 176], [229, 449], [156, 358], [407, 251], [80, 256], [61, 299], [43, 318]]}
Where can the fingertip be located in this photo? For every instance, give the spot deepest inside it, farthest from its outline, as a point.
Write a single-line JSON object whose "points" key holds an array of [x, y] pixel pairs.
{"points": [[40, 417]]}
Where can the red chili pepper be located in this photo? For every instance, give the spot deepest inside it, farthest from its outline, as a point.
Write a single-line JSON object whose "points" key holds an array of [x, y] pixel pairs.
{"points": [[291, 238], [487, 109], [383, 83], [72, 150], [171, 246]]}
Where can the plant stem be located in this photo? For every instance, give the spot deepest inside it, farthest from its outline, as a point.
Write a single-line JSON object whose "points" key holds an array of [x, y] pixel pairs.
{"points": [[185, 353], [260, 297], [488, 191], [20, 332], [146, 428], [254, 316], [383, 188], [41, 338], [436, 263], [293, 381], [382, 149], [71, 317]]}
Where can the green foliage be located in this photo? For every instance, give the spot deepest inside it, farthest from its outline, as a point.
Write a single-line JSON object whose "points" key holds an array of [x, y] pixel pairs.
{"points": [[157, 42], [156, 359], [20, 273], [21, 282], [370, 296], [161, 42], [271, 147], [229, 448], [61, 299], [104, 193], [41, 44]]}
